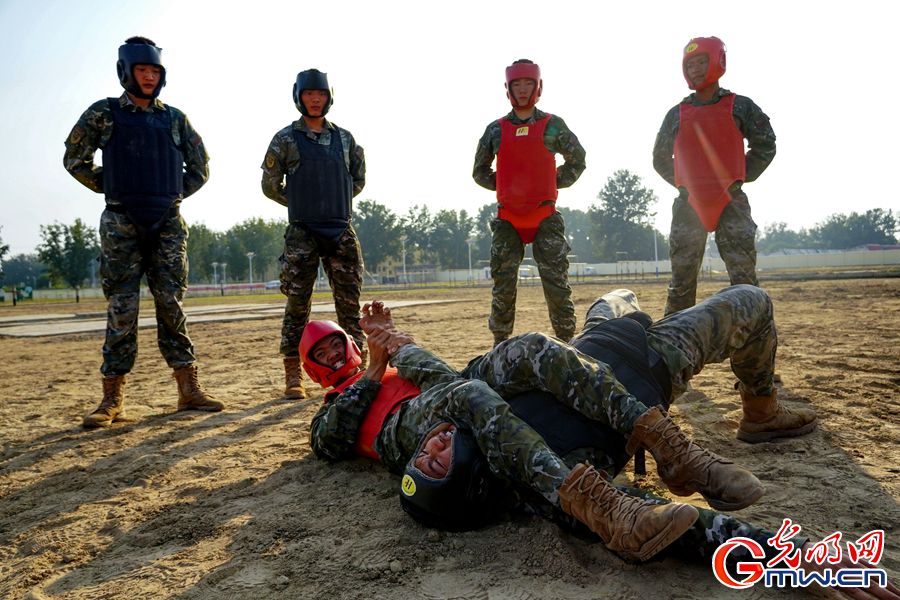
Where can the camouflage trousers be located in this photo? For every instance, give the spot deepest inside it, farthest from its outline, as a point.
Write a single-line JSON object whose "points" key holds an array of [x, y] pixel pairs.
{"points": [[735, 238], [343, 264], [121, 267], [551, 251], [477, 397], [736, 323]]}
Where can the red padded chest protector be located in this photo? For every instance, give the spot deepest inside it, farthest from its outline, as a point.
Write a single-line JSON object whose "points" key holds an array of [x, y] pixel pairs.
{"points": [[526, 177], [394, 391], [709, 157]]}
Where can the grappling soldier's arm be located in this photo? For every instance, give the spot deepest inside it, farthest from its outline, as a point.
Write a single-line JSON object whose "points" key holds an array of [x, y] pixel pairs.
{"points": [[488, 146], [334, 428], [421, 367], [664, 147], [755, 126], [93, 130], [196, 160], [274, 169]]}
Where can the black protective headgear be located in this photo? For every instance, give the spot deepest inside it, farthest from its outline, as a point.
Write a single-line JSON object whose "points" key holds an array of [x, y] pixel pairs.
{"points": [[139, 54], [312, 79], [463, 499]]}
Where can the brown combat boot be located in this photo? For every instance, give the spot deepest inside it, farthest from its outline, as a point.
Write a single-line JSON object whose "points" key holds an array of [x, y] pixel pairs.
{"points": [[686, 468], [293, 379], [633, 528], [110, 409], [765, 419], [190, 395]]}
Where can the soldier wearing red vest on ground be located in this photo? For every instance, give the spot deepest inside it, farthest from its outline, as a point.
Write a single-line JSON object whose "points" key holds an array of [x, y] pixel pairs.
{"points": [[525, 143], [449, 432], [700, 150]]}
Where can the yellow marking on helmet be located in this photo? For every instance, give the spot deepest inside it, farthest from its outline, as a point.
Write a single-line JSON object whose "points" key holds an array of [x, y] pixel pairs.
{"points": [[408, 486], [691, 48]]}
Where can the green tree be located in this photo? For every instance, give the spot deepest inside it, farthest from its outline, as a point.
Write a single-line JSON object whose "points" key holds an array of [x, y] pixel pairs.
{"points": [[257, 235], [203, 249], [448, 238], [622, 220], [68, 251], [417, 225], [378, 230], [481, 250], [839, 231], [23, 269], [578, 234], [777, 236]]}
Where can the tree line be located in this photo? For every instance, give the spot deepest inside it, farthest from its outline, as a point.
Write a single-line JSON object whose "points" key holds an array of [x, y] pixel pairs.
{"points": [[617, 227]]}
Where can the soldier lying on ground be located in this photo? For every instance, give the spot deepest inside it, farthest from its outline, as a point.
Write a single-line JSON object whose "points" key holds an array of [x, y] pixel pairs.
{"points": [[447, 482]]}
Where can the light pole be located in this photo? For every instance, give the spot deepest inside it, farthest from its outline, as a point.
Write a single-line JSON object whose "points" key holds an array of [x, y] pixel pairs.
{"points": [[655, 253], [223, 277], [250, 256], [470, 241], [403, 239], [215, 274]]}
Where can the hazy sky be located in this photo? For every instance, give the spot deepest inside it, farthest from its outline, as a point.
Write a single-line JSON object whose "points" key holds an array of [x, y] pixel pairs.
{"points": [[418, 82]]}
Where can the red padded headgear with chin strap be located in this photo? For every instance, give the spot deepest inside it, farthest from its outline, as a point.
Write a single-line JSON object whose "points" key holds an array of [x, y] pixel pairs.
{"points": [[712, 47], [524, 71], [313, 333]]}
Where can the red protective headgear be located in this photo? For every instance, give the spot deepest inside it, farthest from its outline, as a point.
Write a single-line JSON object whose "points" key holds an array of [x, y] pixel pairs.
{"points": [[526, 71], [712, 47], [314, 332]]}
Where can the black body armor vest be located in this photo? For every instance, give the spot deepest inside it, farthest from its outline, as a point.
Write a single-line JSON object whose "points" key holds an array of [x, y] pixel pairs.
{"points": [[621, 344], [320, 192], [142, 167]]}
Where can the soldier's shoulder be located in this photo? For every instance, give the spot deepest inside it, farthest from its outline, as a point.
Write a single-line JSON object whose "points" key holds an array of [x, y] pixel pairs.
{"points": [[176, 113], [345, 133], [285, 134], [100, 107], [744, 102]]}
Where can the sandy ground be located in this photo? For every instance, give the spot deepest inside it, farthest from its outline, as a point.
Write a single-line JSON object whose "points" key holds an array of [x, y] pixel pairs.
{"points": [[234, 505]]}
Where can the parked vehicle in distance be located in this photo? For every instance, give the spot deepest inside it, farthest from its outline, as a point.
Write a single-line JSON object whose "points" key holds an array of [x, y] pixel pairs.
{"points": [[273, 285]]}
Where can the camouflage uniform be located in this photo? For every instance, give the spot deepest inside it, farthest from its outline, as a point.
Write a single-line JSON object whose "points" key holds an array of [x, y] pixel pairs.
{"points": [[121, 260], [550, 246], [736, 323], [341, 259], [736, 232]]}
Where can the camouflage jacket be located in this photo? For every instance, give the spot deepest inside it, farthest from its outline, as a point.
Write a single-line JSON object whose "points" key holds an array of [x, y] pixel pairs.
{"points": [[557, 138], [95, 127], [334, 427], [750, 120], [283, 158]]}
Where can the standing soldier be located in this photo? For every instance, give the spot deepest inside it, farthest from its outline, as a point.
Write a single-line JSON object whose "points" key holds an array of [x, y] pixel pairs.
{"points": [[526, 181], [325, 169], [706, 133], [152, 159]]}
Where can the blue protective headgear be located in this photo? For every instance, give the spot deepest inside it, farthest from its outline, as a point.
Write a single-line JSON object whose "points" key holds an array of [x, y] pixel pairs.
{"points": [[139, 54], [312, 79], [463, 499]]}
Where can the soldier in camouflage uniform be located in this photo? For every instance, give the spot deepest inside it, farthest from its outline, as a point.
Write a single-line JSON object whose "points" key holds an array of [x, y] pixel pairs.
{"points": [[325, 168], [526, 182], [684, 161], [478, 397], [152, 159]]}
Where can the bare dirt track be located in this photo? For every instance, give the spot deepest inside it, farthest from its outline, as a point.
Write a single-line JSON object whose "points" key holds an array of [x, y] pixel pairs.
{"points": [[234, 505]]}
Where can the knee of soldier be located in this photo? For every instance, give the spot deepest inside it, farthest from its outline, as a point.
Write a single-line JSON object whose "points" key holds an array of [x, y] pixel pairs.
{"points": [[752, 294], [472, 397]]}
